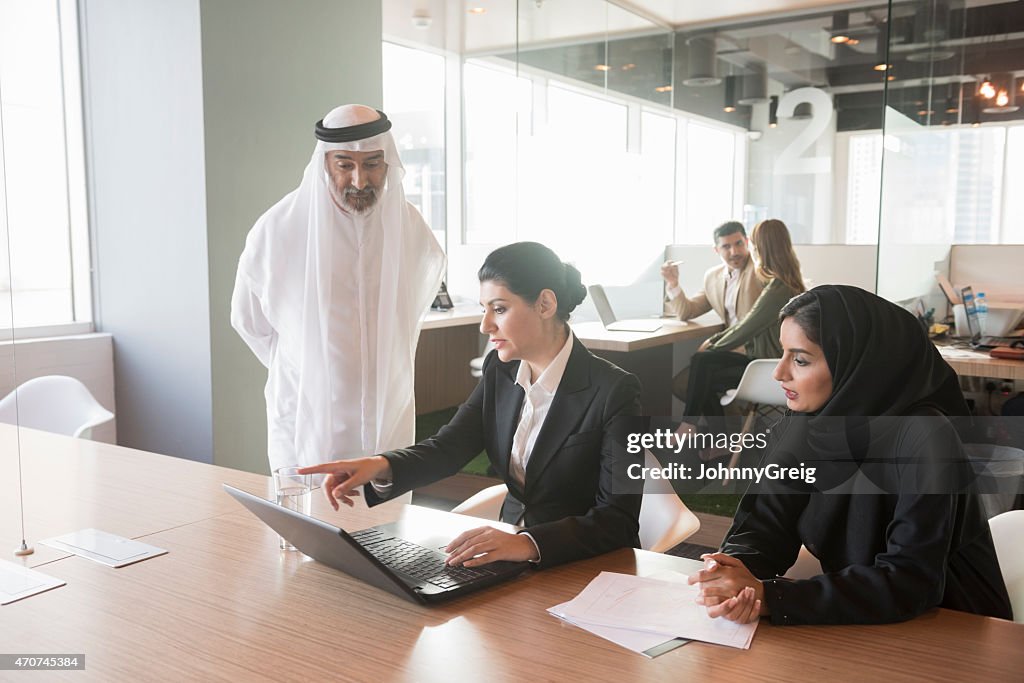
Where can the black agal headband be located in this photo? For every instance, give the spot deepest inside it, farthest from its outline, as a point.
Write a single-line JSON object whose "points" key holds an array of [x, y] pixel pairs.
{"points": [[359, 131]]}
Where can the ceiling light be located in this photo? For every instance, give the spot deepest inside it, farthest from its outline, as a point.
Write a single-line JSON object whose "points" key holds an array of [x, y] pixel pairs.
{"points": [[1003, 102], [754, 86], [602, 67], [840, 27], [987, 90], [628, 67], [881, 49], [730, 94], [663, 88], [477, 10], [701, 62]]}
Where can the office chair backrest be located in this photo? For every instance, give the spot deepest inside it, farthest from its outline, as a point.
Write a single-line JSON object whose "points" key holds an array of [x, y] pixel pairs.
{"points": [[758, 386], [54, 403], [665, 521], [1007, 532]]}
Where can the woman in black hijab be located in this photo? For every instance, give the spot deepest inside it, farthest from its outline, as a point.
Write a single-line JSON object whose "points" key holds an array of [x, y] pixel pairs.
{"points": [[893, 536]]}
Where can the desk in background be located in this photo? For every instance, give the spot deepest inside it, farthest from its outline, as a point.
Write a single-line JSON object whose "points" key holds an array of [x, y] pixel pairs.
{"points": [[971, 363], [648, 355], [448, 341], [226, 604]]}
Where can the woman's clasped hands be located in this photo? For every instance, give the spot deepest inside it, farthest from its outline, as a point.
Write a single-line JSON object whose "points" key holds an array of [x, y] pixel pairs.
{"points": [[728, 589]]}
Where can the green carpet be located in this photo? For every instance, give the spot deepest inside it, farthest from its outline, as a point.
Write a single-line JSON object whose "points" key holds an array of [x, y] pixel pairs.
{"points": [[429, 424]]}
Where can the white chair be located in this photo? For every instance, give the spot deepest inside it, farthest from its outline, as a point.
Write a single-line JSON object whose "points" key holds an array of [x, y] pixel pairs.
{"points": [[665, 521], [805, 567], [1007, 532], [759, 390], [476, 365], [54, 403]]}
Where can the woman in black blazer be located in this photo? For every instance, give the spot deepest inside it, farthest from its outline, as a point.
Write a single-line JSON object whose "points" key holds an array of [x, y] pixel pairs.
{"points": [[553, 418]]}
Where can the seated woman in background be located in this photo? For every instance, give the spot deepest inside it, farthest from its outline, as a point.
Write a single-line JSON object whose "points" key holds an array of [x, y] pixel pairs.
{"points": [[550, 415], [720, 362], [903, 546]]}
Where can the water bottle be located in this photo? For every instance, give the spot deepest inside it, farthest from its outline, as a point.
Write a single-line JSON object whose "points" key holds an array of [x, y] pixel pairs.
{"points": [[981, 305]]}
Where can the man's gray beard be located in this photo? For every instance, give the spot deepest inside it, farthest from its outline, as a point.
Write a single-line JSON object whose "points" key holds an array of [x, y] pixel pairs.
{"points": [[344, 200], [368, 199]]}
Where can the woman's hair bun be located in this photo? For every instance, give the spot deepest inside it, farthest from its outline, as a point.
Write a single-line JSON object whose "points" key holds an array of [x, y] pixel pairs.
{"points": [[575, 291], [528, 268]]}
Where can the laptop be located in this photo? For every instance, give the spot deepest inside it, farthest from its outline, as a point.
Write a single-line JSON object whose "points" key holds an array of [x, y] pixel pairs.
{"points": [[380, 555], [971, 313], [974, 336], [604, 310]]}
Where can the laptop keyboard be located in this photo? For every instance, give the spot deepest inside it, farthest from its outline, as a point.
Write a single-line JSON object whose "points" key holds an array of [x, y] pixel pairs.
{"points": [[416, 561]]}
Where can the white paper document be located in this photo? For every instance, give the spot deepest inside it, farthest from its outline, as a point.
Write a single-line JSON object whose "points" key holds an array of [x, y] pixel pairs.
{"points": [[647, 644], [105, 548], [655, 609], [17, 582]]}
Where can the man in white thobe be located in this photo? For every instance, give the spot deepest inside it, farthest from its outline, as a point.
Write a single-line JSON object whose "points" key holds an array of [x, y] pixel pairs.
{"points": [[330, 293]]}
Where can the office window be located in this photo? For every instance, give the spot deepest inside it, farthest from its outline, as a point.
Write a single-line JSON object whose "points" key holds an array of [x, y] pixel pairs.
{"points": [[42, 185], [706, 193], [553, 161], [1013, 228], [955, 180], [656, 204], [865, 188], [497, 106], [577, 183], [414, 87]]}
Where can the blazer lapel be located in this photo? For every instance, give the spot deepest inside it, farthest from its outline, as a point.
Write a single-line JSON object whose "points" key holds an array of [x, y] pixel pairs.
{"points": [[566, 411], [508, 404]]}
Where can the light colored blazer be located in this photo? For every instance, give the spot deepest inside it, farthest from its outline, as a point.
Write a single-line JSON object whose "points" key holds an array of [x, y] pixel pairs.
{"points": [[712, 297]]}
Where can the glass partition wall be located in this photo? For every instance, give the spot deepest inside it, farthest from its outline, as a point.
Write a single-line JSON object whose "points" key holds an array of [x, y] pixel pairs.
{"points": [[952, 138], [610, 132]]}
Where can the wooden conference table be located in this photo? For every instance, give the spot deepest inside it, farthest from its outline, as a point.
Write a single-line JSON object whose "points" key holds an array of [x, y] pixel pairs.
{"points": [[226, 604]]}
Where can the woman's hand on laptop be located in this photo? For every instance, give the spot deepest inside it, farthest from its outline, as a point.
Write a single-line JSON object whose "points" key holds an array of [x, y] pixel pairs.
{"points": [[491, 545], [344, 477]]}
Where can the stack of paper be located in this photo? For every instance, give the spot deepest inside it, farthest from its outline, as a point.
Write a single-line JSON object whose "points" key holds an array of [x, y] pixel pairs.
{"points": [[649, 615]]}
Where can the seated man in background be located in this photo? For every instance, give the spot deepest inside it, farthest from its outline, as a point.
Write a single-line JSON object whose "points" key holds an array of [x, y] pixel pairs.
{"points": [[730, 290]]}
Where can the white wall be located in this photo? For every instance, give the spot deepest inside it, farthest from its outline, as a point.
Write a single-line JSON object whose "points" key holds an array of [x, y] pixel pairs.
{"points": [[143, 115], [821, 264], [995, 269], [270, 71], [199, 116]]}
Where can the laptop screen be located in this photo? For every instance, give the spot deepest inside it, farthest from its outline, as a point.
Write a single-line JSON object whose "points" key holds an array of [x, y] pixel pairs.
{"points": [[604, 309], [967, 296]]}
